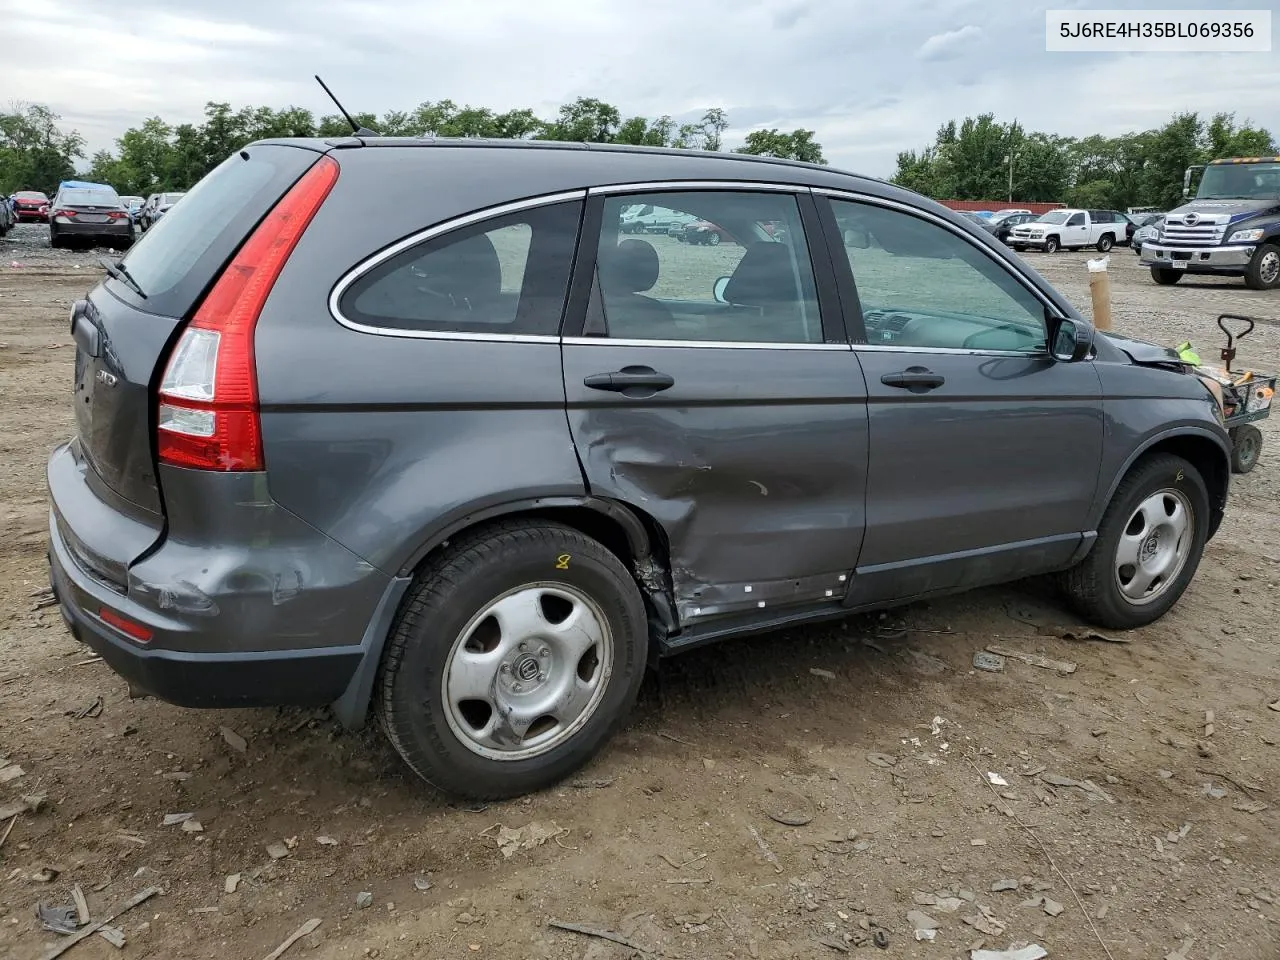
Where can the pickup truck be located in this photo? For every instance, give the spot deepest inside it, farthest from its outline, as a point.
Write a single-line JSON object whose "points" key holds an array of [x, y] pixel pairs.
{"points": [[1073, 229]]}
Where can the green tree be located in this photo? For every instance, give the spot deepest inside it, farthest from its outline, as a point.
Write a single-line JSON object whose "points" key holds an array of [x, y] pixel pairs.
{"points": [[796, 145], [35, 153], [586, 120]]}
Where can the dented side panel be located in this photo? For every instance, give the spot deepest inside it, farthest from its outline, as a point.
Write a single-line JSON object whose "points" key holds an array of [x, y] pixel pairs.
{"points": [[754, 464]]}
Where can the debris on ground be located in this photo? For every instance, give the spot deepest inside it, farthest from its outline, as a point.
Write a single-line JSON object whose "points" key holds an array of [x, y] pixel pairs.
{"points": [[535, 834], [1251, 806], [924, 926], [82, 905], [311, 926], [990, 662], [601, 934], [364, 899], [277, 850], [10, 773], [1030, 952], [1081, 633], [1000, 886], [192, 826], [881, 760], [422, 884], [173, 819], [61, 920], [234, 740], [231, 883], [88, 931], [825, 674], [996, 780], [89, 711], [1214, 791], [1033, 659]]}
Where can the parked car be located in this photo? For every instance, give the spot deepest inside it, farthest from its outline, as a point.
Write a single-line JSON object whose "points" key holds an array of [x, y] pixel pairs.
{"points": [[648, 218], [7, 217], [1147, 231], [1072, 229], [1008, 212], [133, 205], [288, 484], [157, 205], [1139, 220], [32, 206], [1001, 226], [92, 213]]}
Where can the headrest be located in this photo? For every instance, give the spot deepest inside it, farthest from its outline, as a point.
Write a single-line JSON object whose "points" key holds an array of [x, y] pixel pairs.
{"points": [[764, 276], [632, 266], [468, 269]]}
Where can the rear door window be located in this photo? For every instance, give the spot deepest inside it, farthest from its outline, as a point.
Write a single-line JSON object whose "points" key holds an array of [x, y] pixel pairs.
{"points": [[176, 259], [502, 277]]}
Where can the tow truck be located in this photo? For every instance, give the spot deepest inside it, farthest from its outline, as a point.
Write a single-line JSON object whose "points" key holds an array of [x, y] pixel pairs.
{"points": [[1230, 228]]}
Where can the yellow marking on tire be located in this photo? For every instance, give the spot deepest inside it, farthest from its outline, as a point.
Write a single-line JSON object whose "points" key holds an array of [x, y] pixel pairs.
{"points": [[562, 562]]}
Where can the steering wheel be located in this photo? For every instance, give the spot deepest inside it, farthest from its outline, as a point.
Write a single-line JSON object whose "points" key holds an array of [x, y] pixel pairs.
{"points": [[970, 342]]}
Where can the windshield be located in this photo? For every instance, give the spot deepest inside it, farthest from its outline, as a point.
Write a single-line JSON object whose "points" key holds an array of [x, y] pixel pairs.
{"points": [[1055, 217], [1240, 181], [30, 195], [76, 197]]}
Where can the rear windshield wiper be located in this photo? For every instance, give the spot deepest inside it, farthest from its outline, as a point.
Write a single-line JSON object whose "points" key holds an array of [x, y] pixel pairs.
{"points": [[121, 273]]}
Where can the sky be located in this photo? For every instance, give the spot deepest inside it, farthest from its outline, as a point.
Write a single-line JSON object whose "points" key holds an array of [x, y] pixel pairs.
{"points": [[871, 77]]}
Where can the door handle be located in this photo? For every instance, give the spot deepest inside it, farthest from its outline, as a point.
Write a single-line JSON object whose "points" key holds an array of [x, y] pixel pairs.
{"points": [[915, 379], [630, 378]]}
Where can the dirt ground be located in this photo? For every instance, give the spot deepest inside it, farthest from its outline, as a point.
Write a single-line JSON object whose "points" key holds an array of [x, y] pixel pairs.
{"points": [[875, 738]]}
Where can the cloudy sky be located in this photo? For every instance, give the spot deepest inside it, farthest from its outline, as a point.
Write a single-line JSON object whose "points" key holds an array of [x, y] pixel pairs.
{"points": [[872, 77]]}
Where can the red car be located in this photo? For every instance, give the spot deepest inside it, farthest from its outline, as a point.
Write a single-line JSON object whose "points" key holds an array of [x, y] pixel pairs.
{"points": [[32, 206]]}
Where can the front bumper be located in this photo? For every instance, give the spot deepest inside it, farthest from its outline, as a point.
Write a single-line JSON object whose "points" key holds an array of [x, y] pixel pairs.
{"points": [[1232, 259], [1033, 243], [32, 216]]}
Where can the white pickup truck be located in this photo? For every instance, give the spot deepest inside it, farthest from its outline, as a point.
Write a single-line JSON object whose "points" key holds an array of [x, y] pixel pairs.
{"points": [[1073, 229]]}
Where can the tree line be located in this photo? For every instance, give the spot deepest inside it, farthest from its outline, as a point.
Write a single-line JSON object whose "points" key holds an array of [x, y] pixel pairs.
{"points": [[970, 160], [161, 156]]}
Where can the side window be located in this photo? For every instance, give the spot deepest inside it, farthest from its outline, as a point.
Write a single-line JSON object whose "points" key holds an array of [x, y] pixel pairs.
{"points": [[730, 266], [1077, 220], [921, 285], [503, 276]]}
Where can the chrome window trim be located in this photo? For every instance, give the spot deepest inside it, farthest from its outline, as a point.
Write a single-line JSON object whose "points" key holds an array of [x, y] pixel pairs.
{"points": [[856, 197], [429, 233], [714, 344], [680, 186], [951, 351]]}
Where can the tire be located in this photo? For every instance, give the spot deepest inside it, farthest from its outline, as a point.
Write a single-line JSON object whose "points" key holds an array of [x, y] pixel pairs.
{"points": [[1018, 248], [1165, 277], [713, 238], [444, 739], [1263, 272], [1153, 486], [1051, 245], [1246, 448], [1106, 242]]}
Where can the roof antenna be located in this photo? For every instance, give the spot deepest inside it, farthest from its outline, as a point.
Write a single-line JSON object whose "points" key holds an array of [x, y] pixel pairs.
{"points": [[358, 130]]}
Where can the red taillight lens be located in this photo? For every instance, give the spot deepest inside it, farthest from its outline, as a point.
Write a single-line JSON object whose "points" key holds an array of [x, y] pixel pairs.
{"points": [[130, 629], [117, 214], [208, 415], [62, 213]]}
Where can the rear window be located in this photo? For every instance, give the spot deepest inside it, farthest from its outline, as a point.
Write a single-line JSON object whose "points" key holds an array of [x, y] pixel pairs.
{"points": [[177, 258], [171, 197], [77, 197]]}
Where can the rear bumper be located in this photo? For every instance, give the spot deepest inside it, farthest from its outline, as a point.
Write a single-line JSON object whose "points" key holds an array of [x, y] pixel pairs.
{"points": [[305, 677], [118, 228]]}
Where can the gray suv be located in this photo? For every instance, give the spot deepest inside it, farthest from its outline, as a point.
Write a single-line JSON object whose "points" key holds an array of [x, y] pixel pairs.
{"points": [[472, 457]]}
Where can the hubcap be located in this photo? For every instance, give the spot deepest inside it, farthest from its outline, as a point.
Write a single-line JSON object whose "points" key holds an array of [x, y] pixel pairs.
{"points": [[1269, 268], [1154, 546], [528, 671]]}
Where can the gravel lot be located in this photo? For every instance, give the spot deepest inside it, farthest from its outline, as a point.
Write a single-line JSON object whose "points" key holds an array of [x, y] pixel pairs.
{"points": [[875, 735]]}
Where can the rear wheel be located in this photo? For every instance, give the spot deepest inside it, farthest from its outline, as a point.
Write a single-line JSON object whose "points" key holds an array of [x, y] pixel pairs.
{"points": [[1263, 272], [713, 238], [1246, 447], [518, 653], [1149, 545], [1106, 242], [1165, 277], [1051, 245]]}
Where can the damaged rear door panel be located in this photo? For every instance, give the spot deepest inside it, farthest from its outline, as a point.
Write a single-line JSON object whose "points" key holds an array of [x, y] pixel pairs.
{"points": [[733, 413]]}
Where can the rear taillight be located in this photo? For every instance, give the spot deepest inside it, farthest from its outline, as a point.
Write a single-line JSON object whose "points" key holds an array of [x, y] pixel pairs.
{"points": [[63, 213], [208, 411], [130, 629], [117, 214]]}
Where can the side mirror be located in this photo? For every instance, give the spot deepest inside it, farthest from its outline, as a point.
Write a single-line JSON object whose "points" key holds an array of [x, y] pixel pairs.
{"points": [[1072, 341], [719, 288]]}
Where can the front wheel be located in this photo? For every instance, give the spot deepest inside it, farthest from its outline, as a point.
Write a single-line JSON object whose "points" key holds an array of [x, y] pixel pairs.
{"points": [[1149, 545], [1166, 277], [1263, 272], [1246, 447], [1105, 242], [518, 653], [713, 238], [1051, 245]]}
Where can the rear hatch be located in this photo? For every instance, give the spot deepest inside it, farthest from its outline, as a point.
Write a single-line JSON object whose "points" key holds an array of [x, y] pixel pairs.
{"points": [[127, 324]]}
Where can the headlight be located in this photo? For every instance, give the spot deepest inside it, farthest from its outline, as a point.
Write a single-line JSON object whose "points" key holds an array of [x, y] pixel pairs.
{"points": [[1246, 236]]}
